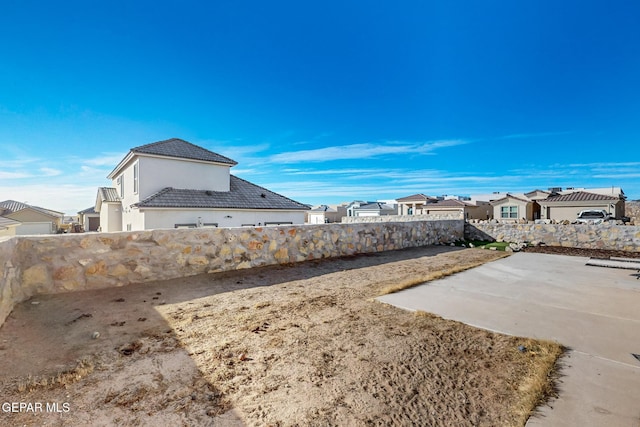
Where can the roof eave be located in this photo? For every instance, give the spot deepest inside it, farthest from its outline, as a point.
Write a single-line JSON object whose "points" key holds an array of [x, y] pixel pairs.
{"points": [[123, 162]]}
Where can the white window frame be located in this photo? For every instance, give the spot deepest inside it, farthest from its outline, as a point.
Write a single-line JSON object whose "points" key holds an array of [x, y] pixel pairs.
{"points": [[136, 177], [509, 212], [120, 184]]}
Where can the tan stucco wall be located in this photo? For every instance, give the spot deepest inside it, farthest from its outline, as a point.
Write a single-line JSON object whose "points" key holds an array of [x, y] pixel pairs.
{"points": [[571, 211], [9, 231], [525, 210], [27, 215]]}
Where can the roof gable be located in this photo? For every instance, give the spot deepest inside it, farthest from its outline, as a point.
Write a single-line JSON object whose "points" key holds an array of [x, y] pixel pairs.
{"points": [[12, 206], [174, 148], [416, 198], [106, 195], [182, 149], [521, 198]]}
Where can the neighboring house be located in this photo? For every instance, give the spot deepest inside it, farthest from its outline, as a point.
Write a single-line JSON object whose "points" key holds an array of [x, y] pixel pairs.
{"points": [[325, 214], [89, 219], [414, 204], [32, 219], [175, 184], [463, 209], [515, 207], [351, 207], [374, 209], [566, 206], [8, 226], [557, 204]]}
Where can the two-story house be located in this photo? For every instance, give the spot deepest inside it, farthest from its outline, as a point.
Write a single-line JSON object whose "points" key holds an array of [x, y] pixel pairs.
{"points": [[174, 184]]}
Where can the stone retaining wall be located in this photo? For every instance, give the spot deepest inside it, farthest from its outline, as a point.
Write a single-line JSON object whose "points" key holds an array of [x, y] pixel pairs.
{"points": [[599, 236], [400, 218], [61, 263]]}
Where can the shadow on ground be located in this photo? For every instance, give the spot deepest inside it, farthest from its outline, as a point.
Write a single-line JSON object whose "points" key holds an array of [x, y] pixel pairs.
{"points": [[51, 334]]}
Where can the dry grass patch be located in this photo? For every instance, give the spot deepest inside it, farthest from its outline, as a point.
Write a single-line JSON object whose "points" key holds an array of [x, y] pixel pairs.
{"points": [[82, 369], [415, 280], [541, 375]]}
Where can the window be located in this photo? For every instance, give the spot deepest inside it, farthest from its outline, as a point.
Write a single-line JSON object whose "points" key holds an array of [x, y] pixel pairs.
{"points": [[135, 178], [509, 212], [120, 182]]}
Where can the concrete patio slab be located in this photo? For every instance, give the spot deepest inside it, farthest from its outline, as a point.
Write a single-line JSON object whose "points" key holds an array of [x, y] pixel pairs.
{"points": [[592, 310]]}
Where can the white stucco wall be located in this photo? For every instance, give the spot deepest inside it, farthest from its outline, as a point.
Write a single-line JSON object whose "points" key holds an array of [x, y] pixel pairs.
{"points": [[316, 217], [110, 217], [156, 174], [165, 218]]}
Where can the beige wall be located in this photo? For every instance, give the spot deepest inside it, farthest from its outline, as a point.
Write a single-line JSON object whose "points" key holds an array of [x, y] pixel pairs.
{"points": [[570, 213], [28, 215], [9, 231], [525, 210]]}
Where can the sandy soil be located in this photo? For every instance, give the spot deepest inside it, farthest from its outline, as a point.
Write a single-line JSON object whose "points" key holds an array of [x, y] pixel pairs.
{"points": [[303, 344]]}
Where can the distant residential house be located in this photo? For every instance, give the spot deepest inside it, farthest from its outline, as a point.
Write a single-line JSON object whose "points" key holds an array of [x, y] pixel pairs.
{"points": [[89, 219], [374, 209], [557, 204], [32, 219], [352, 206], [325, 214], [567, 205], [414, 204], [461, 208], [8, 226], [176, 184], [515, 207]]}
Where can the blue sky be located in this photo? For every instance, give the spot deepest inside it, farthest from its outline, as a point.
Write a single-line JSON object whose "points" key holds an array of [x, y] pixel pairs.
{"points": [[324, 102]]}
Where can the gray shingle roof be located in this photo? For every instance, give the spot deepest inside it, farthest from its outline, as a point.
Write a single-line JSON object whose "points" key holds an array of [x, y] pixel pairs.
{"points": [[579, 196], [375, 206], [11, 206], [6, 223], [520, 197], [242, 195], [323, 208], [416, 198], [450, 203], [179, 148], [91, 210], [108, 194]]}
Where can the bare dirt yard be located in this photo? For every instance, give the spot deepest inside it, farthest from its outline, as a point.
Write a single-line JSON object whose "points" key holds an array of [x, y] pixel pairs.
{"points": [[301, 344]]}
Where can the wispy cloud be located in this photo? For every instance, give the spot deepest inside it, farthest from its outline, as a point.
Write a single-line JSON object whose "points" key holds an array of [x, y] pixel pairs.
{"points": [[534, 135], [50, 172], [14, 175], [105, 159], [363, 151]]}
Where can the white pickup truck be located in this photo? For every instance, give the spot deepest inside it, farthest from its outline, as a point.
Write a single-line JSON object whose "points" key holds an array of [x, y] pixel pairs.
{"points": [[593, 216]]}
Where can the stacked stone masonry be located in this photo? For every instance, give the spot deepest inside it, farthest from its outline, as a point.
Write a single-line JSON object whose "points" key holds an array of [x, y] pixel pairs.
{"points": [[598, 236], [401, 218], [62, 263]]}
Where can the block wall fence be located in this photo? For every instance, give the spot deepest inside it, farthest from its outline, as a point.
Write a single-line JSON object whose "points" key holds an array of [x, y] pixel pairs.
{"points": [[33, 265], [599, 236]]}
